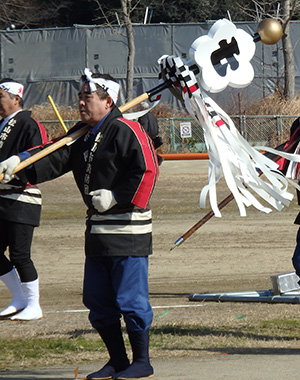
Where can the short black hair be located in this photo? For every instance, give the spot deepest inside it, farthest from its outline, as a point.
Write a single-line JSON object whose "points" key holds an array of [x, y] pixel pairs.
{"points": [[98, 75], [3, 80]]}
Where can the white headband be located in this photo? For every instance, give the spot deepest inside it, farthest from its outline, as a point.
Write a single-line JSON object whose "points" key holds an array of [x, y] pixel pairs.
{"points": [[13, 88], [111, 87]]}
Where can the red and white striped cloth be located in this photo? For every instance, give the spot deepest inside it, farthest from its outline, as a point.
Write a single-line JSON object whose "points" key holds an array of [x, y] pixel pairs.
{"points": [[229, 153]]}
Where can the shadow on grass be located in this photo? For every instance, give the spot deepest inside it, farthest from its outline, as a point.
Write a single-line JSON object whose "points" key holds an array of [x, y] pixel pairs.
{"points": [[163, 338], [217, 332], [239, 334], [238, 350]]}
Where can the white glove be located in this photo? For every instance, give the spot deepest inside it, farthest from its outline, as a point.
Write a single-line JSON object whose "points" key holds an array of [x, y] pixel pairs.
{"points": [[8, 166], [103, 199]]}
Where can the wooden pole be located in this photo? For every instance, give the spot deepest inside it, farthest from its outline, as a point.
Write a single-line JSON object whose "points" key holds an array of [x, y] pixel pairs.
{"points": [[287, 147], [57, 114], [75, 135]]}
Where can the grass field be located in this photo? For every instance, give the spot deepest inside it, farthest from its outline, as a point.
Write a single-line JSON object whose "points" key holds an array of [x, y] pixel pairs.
{"points": [[227, 254]]}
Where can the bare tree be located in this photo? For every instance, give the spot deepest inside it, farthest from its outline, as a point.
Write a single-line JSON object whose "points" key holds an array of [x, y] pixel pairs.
{"points": [[31, 13], [288, 9], [127, 7], [283, 11]]}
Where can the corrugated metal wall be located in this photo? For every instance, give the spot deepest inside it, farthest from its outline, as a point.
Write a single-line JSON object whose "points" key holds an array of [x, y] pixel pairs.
{"points": [[51, 61]]}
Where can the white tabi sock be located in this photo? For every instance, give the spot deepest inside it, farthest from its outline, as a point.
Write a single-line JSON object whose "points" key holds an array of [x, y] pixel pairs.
{"points": [[33, 310], [19, 299]]}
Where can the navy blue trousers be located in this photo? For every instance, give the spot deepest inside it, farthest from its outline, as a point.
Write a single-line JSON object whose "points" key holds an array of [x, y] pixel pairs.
{"points": [[296, 256], [117, 286]]}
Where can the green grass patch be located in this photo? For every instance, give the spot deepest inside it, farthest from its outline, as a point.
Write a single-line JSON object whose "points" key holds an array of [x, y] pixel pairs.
{"points": [[265, 336], [277, 329], [18, 352], [287, 327]]}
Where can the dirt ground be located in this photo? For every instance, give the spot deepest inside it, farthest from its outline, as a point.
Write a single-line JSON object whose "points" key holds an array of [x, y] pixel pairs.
{"points": [[226, 254]]}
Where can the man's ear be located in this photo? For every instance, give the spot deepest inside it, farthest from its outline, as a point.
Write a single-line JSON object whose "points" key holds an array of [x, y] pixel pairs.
{"points": [[109, 101], [18, 99]]}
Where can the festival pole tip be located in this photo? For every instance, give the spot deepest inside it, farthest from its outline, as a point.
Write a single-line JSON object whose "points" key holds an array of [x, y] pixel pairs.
{"points": [[269, 32], [177, 243]]}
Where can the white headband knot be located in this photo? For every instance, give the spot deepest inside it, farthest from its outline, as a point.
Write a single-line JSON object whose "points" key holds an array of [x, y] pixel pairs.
{"points": [[111, 87], [13, 88]]}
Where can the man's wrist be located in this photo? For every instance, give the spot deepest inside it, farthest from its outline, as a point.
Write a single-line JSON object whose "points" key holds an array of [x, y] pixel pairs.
{"points": [[24, 155]]}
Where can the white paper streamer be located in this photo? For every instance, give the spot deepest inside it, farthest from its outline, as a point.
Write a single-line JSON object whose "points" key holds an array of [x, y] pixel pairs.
{"points": [[241, 164], [229, 152], [294, 158]]}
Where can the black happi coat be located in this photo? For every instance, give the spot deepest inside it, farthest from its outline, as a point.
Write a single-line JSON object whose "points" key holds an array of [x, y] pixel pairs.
{"points": [[150, 124], [20, 202], [123, 161]]}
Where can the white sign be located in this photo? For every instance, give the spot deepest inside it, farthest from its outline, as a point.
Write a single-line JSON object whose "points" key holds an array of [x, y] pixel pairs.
{"points": [[185, 129]]}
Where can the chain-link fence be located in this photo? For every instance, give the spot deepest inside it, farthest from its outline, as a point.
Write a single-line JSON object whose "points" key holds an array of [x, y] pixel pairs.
{"points": [[184, 135], [55, 129]]}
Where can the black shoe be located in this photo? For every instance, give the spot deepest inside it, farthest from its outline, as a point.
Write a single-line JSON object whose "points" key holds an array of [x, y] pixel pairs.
{"points": [[136, 371], [104, 373]]}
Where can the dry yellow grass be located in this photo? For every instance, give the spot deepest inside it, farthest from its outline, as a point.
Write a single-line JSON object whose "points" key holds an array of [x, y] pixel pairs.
{"points": [[273, 104], [46, 112]]}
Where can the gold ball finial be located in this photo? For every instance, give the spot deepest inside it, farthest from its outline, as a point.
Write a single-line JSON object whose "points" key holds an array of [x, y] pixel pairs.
{"points": [[270, 31]]}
